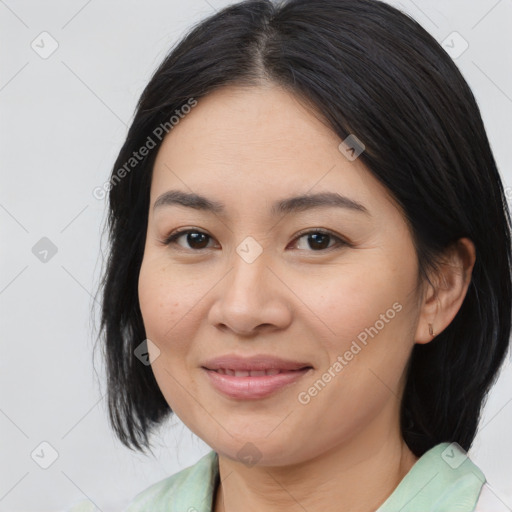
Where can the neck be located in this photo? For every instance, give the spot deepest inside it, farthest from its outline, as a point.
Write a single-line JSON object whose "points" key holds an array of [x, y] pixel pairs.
{"points": [[352, 477]]}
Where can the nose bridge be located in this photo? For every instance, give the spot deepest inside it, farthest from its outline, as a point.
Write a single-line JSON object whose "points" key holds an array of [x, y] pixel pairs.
{"points": [[249, 297], [250, 273]]}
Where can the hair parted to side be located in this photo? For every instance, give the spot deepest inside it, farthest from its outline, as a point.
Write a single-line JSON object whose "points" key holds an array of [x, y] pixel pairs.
{"points": [[366, 69]]}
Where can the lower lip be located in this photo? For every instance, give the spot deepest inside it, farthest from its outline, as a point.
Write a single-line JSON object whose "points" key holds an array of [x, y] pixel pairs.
{"points": [[252, 388]]}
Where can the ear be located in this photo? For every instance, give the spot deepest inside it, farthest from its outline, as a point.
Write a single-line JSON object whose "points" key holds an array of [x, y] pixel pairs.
{"points": [[443, 298]]}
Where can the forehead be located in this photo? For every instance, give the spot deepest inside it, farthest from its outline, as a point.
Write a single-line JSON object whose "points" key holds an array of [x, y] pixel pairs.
{"points": [[246, 145]]}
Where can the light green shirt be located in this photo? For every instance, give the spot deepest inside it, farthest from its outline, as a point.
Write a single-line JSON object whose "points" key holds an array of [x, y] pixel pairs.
{"points": [[443, 479]]}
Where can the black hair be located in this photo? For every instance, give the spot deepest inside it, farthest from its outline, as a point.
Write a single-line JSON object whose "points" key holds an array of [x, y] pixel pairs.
{"points": [[369, 70]]}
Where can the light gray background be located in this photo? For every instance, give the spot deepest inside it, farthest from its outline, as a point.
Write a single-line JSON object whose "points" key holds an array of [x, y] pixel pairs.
{"points": [[63, 120]]}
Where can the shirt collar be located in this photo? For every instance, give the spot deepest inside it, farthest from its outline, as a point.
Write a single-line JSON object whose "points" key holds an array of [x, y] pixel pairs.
{"points": [[443, 478]]}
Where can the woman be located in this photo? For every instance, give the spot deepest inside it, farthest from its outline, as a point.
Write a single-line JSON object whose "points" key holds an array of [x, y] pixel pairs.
{"points": [[302, 266]]}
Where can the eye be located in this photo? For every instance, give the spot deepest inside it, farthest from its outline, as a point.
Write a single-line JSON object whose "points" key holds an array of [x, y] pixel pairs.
{"points": [[317, 239], [196, 239]]}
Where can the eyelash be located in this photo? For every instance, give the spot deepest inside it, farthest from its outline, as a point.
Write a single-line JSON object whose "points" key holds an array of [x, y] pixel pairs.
{"points": [[173, 237]]}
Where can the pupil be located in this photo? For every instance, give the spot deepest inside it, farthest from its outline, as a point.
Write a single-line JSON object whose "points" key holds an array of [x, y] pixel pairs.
{"points": [[314, 237], [193, 238]]}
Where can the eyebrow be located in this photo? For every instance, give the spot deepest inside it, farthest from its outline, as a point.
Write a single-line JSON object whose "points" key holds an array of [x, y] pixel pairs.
{"points": [[289, 205]]}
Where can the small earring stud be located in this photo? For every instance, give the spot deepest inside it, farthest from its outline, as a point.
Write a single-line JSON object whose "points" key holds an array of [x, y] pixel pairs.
{"points": [[431, 330]]}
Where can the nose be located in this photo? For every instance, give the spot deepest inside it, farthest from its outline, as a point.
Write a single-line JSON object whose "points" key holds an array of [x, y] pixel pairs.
{"points": [[251, 298]]}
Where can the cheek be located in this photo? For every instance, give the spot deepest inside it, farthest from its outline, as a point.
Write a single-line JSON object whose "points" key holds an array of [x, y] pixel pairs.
{"points": [[353, 298], [166, 313], [368, 316], [171, 301], [163, 301], [151, 294]]}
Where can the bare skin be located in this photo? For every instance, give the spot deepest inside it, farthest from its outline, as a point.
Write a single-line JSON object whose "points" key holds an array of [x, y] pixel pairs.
{"points": [[338, 449]]}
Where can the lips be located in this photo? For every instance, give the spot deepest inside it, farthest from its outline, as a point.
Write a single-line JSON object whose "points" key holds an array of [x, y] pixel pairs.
{"points": [[251, 378]]}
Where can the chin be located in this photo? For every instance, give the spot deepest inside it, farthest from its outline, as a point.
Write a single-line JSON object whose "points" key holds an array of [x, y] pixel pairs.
{"points": [[259, 451]]}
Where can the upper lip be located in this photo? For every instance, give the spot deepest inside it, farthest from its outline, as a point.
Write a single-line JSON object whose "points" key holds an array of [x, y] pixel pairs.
{"points": [[256, 362]]}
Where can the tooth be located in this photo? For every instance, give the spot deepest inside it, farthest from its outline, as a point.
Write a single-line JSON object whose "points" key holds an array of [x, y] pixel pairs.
{"points": [[257, 373], [248, 373]]}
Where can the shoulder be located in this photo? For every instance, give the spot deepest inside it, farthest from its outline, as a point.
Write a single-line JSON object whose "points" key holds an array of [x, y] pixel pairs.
{"points": [[189, 490], [443, 479]]}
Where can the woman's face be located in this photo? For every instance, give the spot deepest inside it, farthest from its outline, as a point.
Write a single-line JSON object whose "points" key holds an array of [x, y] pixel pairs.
{"points": [[254, 280]]}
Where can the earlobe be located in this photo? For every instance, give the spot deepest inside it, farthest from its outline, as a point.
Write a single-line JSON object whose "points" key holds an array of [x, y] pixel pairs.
{"points": [[428, 323], [445, 297]]}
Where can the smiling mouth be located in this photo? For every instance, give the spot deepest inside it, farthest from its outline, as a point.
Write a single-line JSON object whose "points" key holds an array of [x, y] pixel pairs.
{"points": [[253, 384]]}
